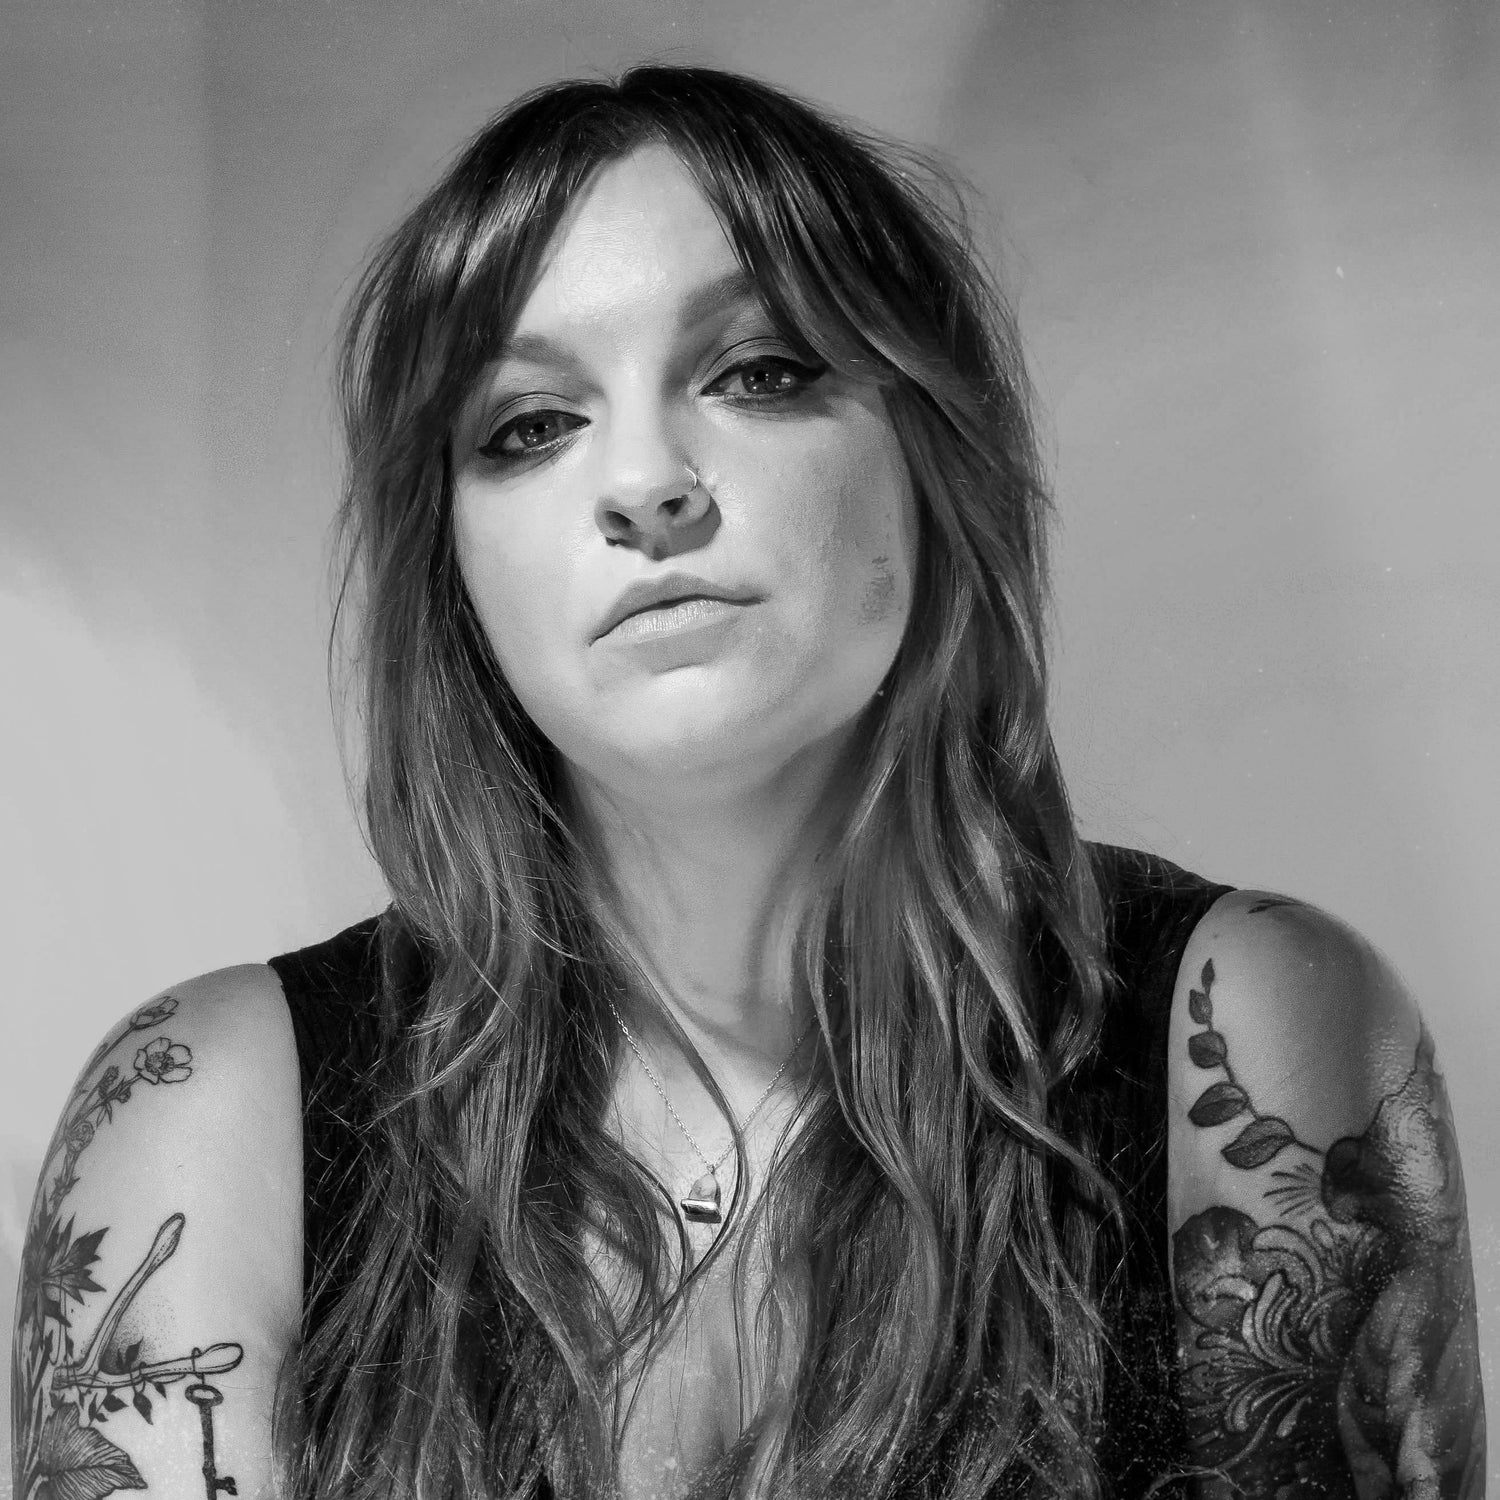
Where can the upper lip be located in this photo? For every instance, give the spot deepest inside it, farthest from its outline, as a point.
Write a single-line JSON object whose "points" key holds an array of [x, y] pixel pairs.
{"points": [[647, 593]]}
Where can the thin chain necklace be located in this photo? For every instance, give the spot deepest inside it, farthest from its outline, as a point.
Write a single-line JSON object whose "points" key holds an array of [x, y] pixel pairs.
{"points": [[701, 1204]]}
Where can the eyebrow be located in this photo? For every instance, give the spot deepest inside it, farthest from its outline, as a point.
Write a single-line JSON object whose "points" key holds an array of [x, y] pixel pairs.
{"points": [[704, 302]]}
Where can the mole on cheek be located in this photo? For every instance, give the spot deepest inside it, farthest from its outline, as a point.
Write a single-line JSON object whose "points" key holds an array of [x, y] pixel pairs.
{"points": [[880, 591]]}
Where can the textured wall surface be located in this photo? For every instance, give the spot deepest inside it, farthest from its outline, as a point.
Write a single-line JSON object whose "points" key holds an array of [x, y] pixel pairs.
{"points": [[1252, 246]]}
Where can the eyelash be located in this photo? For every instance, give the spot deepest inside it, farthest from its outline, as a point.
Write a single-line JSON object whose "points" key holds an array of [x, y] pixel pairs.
{"points": [[806, 375]]}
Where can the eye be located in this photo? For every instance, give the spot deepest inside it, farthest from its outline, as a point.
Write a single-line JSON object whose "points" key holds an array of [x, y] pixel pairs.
{"points": [[767, 378], [529, 434]]}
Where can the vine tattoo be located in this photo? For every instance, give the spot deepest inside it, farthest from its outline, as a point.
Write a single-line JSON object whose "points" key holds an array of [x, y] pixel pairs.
{"points": [[1331, 1351], [61, 1450]]}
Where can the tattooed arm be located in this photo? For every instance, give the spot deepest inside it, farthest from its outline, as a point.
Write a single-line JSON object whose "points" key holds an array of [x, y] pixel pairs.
{"points": [[1320, 1251], [161, 1277]]}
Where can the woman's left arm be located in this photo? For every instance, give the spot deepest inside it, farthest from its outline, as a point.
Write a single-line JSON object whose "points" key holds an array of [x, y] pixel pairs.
{"points": [[1319, 1243]]}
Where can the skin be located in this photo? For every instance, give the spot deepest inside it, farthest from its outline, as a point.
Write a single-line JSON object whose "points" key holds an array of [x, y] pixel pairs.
{"points": [[167, 1220], [706, 774], [170, 1205], [1320, 1259], [706, 771]]}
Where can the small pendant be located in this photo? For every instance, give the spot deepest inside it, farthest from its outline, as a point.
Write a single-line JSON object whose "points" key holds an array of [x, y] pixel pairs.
{"points": [[702, 1202]]}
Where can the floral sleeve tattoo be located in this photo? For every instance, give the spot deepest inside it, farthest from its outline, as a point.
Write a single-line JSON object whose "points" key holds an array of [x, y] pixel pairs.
{"points": [[1329, 1345], [79, 1360]]}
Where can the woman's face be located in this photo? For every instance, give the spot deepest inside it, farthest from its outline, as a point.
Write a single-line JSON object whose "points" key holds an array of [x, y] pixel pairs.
{"points": [[640, 354]]}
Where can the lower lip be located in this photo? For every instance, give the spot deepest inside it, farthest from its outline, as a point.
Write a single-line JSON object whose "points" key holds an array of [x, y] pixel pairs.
{"points": [[675, 622]]}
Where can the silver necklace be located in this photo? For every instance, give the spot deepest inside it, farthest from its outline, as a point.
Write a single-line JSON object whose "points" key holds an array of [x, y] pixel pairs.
{"points": [[701, 1204]]}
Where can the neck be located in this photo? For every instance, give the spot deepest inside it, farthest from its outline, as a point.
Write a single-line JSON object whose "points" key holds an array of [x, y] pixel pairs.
{"points": [[710, 893]]}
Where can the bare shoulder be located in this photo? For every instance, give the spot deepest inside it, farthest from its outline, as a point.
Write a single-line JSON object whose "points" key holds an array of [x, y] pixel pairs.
{"points": [[1320, 1252], [197, 1080], [161, 1279], [244, 1002], [239, 1019], [183, 1083], [1321, 1021]]}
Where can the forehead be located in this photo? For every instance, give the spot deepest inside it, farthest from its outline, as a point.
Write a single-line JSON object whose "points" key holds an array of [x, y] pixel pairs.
{"points": [[639, 241]]}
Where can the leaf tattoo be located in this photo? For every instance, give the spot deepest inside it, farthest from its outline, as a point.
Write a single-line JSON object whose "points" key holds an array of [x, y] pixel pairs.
{"points": [[1336, 1355], [1258, 1142], [76, 1462], [1219, 1103], [59, 1397], [1266, 1135]]}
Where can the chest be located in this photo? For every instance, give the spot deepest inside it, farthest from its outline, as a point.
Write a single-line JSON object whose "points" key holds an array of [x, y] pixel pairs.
{"points": [[689, 1401], [685, 1400]]}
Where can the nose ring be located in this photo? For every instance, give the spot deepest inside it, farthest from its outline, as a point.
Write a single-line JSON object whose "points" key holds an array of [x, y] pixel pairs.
{"points": [[692, 479]]}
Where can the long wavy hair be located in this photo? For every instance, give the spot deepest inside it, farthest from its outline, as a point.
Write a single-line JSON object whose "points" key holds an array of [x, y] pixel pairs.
{"points": [[930, 1247]]}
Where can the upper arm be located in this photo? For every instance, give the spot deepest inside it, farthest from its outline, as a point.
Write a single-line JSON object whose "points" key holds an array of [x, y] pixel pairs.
{"points": [[1320, 1252], [161, 1277]]}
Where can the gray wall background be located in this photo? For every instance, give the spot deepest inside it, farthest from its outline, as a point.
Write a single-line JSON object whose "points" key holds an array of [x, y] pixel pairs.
{"points": [[1254, 251]]}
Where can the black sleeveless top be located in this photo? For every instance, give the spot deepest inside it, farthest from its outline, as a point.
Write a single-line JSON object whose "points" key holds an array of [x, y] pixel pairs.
{"points": [[1121, 1095]]}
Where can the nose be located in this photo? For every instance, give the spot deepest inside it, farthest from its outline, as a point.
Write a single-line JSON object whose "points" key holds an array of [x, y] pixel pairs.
{"points": [[651, 498]]}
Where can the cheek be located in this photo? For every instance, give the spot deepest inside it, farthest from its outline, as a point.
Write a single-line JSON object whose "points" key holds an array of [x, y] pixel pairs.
{"points": [[876, 532], [509, 597], [882, 592]]}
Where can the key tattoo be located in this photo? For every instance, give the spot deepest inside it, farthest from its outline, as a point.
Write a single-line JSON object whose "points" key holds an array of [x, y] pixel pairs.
{"points": [[61, 1453]]}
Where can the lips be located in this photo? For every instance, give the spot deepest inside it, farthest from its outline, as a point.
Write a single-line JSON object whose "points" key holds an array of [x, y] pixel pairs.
{"points": [[670, 588]]}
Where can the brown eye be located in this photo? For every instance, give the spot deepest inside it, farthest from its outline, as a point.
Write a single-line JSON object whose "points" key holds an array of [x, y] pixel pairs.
{"points": [[531, 433]]}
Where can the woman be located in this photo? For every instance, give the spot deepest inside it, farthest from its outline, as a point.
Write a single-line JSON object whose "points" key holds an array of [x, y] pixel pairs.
{"points": [[755, 1085]]}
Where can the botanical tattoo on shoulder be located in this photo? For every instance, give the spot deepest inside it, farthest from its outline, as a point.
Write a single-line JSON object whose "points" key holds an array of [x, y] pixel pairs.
{"points": [[71, 1375], [1331, 1351]]}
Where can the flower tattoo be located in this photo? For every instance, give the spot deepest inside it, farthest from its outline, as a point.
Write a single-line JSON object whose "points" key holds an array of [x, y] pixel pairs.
{"points": [[67, 1386], [1331, 1349], [161, 1061], [154, 1014]]}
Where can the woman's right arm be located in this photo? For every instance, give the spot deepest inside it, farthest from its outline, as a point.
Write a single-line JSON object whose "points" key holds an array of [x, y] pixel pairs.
{"points": [[161, 1280]]}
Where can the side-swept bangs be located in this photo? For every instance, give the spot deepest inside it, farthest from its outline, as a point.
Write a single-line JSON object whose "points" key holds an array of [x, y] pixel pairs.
{"points": [[933, 1239], [852, 257], [861, 255]]}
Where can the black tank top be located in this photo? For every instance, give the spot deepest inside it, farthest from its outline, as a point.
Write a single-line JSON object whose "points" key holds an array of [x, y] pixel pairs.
{"points": [[1120, 1097]]}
